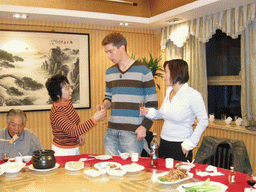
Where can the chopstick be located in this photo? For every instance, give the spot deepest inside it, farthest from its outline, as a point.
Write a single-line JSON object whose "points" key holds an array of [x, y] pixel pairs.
{"points": [[4, 139]]}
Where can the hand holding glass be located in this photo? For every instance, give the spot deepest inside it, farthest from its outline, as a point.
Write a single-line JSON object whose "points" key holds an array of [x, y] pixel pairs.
{"points": [[142, 105]]}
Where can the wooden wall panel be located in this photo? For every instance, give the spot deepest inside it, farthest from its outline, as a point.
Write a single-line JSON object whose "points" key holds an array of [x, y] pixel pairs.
{"points": [[141, 42]]}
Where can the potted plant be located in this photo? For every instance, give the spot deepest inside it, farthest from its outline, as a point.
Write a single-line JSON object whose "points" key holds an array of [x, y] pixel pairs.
{"points": [[153, 64]]}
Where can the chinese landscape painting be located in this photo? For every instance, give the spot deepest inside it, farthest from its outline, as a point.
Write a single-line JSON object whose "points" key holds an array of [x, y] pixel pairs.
{"points": [[28, 59]]}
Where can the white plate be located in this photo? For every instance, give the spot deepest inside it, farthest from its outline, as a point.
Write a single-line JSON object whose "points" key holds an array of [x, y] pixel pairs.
{"points": [[103, 157], [134, 167], [114, 172], [31, 167], [12, 167], [97, 165], [72, 167], [92, 172], [190, 175], [1, 172], [223, 187]]}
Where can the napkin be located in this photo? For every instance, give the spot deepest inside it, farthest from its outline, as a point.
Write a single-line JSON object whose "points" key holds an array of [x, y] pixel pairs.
{"points": [[249, 190], [212, 169]]}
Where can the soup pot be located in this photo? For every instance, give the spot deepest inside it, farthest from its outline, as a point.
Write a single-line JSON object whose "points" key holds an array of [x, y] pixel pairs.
{"points": [[43, 159]]}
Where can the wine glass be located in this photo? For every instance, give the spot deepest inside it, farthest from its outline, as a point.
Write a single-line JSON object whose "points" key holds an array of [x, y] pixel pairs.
{"points": [[251, 179], [5, 156]]}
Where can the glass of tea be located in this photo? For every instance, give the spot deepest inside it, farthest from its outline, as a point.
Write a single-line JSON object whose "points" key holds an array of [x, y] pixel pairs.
{"points": [[5, 156], [251, 179]]}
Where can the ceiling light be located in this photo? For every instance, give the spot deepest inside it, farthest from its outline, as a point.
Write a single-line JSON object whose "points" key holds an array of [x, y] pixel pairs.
{"points": [[174, 20], [121, 1], [18, 16]]}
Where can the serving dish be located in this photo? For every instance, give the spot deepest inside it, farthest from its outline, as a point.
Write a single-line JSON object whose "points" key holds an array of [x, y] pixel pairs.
{"points": [[185, 165], [103, 157], [12, 167], [92, 172], [31, 167], [190, 175], [74, 165], [112, 165], [114, 172], [223, 187], [1, 171], [134, 167]]}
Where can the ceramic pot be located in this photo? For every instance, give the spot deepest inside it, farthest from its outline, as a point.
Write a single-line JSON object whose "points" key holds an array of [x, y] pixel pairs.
{"points": [[43, 159]]}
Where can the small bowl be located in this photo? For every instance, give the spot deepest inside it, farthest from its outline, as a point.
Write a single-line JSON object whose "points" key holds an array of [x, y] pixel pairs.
{"points": [[124, 156], [103, 169], [186, 166], [27, 158]]}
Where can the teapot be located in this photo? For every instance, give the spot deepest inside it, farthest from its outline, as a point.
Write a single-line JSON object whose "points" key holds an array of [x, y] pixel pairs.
{"points": [[43, 159]]}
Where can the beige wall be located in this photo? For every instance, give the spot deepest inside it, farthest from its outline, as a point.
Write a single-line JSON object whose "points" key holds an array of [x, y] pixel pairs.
{"points": [[141, 42]]}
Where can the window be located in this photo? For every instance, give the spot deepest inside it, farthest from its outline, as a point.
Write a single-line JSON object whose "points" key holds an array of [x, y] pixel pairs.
{"points": [[224, 81]]}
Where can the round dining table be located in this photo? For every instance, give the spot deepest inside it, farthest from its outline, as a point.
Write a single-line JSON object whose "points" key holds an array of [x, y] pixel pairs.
{"points": [[61, 179]]}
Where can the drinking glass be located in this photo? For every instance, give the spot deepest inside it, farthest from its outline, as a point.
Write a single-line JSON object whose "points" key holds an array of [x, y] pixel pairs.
{"points": [[223, 117], [251, 179], [142, 105], [5, 156]]}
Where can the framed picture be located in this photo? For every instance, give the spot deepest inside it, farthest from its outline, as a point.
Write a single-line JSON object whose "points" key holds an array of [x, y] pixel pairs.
{"points": [[28, 59]]}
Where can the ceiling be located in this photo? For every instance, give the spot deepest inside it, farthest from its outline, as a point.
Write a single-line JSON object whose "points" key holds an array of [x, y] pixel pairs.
{"points": [[151, 14]]}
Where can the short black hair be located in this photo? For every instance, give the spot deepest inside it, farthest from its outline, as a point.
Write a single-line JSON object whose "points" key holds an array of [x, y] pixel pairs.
{"points": [[178, 70], [54, 86]]}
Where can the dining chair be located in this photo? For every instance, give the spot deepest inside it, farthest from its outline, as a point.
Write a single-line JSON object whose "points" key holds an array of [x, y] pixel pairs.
{"points": [[222, 158], [223, 153]]}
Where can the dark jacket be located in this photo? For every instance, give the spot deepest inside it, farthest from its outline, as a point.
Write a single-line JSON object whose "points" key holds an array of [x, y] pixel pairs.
{"points": [[238, 149]]}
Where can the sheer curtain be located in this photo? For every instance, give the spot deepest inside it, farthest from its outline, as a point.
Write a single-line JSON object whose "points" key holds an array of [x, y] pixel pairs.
{"points": [[182, 45], [248, 70]]}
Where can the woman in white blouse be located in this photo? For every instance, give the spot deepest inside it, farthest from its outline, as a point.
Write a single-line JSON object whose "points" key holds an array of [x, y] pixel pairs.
{"points": [[180, 107]]}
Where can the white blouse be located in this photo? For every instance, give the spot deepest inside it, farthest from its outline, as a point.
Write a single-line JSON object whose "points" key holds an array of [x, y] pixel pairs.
{"points": [[179, 116]]}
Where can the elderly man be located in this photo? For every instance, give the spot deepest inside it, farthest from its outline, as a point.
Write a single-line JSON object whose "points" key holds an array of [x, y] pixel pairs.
{"points": [[16, 121]]}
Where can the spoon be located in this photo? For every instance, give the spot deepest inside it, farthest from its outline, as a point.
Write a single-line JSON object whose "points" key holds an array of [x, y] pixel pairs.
{"points": [[37, 147], [119, 152], [20, 155]]}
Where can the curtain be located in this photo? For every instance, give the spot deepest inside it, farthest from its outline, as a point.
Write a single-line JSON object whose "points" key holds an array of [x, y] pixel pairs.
{"points": [[233, 22], [248, 70], [193, 52]]}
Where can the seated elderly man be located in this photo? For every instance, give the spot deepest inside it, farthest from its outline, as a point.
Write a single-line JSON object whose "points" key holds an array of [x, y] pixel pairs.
{"points": [[16, 121]]}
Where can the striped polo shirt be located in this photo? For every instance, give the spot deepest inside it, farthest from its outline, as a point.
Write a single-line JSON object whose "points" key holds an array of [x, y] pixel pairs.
{"points": [[125, 90]]}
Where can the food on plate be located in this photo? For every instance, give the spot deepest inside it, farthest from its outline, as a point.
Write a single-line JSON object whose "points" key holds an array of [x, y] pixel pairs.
{"points": [[74, 165], [14, 138], [205, 186], [111, 165], [174, 175]]}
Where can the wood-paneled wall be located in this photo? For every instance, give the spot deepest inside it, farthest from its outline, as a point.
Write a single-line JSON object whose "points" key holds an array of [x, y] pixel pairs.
{"points": [[141, 42]]}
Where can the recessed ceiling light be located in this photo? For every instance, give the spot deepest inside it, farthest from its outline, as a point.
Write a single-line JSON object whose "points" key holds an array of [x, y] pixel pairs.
{"points": [[18, 16]]}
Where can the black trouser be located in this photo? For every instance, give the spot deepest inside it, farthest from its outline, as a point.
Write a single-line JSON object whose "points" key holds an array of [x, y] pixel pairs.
{"points": [[173, 150]]}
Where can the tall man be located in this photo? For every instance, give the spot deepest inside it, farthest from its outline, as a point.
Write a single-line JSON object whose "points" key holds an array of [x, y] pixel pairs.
{"points": [[128, 83], [16, 121]]}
